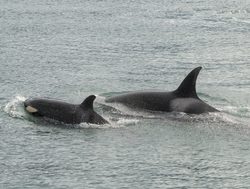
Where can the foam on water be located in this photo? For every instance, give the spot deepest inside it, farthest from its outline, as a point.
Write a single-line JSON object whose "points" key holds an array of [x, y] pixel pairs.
{"points": [[15, 107], [240, 111]]}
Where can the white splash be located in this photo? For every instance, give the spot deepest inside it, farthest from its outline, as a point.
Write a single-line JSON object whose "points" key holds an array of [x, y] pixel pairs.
{"points": [[13, 108]]}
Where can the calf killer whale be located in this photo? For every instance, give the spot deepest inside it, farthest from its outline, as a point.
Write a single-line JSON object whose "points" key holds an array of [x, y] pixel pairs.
{"points": [[183, 99], [65, 112]]}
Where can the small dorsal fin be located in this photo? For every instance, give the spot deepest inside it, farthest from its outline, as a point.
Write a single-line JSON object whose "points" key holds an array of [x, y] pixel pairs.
{"points": [[188, 86], [88, 102]]}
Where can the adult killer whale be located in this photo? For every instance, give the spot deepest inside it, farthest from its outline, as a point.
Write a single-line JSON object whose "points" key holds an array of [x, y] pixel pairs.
{"points": [[65, 112], [183, 99]]}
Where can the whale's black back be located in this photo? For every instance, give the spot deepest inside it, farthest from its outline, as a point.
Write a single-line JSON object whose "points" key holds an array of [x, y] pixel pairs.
{"points": [[65, 112], [183, 99]]}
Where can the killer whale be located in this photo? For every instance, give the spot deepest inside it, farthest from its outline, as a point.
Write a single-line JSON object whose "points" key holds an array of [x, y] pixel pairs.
{"points": [[65, 112], [183, 99]]}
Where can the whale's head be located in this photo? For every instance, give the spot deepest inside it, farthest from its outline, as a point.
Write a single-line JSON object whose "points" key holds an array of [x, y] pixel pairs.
{"points": [[32, 106]]}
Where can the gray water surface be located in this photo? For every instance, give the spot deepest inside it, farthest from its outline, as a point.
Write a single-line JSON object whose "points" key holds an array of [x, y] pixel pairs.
{"points": [[71, 49]]}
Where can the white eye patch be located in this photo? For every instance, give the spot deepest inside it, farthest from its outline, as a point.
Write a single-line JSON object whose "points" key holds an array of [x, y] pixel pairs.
{"points": [[31, 109]]}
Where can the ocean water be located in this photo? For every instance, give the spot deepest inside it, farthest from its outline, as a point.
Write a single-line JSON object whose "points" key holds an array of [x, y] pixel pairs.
{"points": [[71, 49]]}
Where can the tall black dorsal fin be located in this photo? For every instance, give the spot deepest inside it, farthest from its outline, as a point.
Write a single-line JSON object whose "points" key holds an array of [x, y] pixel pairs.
{"points": [[88, 102], [188, 86]]}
